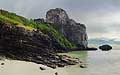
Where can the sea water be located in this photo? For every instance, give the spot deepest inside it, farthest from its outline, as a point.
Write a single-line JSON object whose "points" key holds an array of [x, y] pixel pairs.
{"points": [[98, 62]]}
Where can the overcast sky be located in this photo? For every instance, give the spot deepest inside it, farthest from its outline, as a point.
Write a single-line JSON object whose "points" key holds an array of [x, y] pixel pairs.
{"points": [[101, 17]]}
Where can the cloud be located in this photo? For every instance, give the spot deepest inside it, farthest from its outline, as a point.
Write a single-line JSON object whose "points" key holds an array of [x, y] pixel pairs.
{"points": [[100, 16]]}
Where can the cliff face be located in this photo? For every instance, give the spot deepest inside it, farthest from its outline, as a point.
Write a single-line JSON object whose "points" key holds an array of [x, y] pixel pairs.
{"points": [[34, 46], [23, 39], [75, 32], [18, 38]]}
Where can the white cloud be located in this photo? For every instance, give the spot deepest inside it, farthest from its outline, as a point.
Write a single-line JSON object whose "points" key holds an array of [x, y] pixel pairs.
{"points": [[102, 17]]}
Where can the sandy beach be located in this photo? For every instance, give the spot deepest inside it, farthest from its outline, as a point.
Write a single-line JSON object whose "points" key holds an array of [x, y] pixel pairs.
{"points": [[15, 67]]}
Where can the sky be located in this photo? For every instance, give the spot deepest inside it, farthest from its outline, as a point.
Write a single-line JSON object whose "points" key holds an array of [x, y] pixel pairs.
{"points": [[101, 17]]}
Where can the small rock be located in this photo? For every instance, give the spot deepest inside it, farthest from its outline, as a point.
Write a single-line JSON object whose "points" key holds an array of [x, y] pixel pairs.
{"points": [[42, 68], [105, 47], [83, 66], [61, 65], [2, 63], [56, 73]]}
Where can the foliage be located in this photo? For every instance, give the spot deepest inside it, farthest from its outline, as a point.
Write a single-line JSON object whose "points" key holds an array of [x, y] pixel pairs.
{"points": [[14, 19]]}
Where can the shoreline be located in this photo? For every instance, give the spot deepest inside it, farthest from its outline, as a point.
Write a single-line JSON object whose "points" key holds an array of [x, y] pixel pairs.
{"points": [[16, 67]]}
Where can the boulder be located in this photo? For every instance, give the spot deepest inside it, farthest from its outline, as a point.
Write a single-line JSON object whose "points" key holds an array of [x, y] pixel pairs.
{"points": [[105, 47], [73, 31], [83, 66], [91, 48], [56, 73], [2, 63]]}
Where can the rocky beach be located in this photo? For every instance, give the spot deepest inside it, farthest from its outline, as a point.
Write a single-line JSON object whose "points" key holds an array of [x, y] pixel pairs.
{"points": [[17, 67]]}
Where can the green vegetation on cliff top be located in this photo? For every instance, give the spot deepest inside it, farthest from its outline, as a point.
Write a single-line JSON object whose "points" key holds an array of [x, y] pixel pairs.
{"points": [[14, 19]]}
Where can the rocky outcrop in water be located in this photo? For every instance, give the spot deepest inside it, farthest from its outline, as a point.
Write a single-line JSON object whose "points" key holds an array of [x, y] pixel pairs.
{"points": [[73, 31], [105, 47]]}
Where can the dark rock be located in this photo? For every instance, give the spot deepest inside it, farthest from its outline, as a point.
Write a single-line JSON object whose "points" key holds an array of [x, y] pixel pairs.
{"points": [[83, 66], [69, 60], [41, 68], [56, 73], [91, 48], [83, 49], [105, 47], [75, 32], [2, 63], [61, 65]]}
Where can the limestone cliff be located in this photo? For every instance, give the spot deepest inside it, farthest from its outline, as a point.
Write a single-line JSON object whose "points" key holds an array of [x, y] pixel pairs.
{"points": [[23, 39], [33, 46], [75, 32]]}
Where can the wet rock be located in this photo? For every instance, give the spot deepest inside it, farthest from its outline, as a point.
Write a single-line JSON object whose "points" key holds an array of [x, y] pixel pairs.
{"points": [[61, 65], [69, 60]]}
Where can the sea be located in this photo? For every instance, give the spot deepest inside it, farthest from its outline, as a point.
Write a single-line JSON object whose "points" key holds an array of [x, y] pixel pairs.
{"points": [[98, 62]]}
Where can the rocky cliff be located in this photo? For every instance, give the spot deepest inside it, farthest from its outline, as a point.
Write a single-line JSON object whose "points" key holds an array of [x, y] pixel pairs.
{"points": [[74, 32], [33, 46], [23, 39]]}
